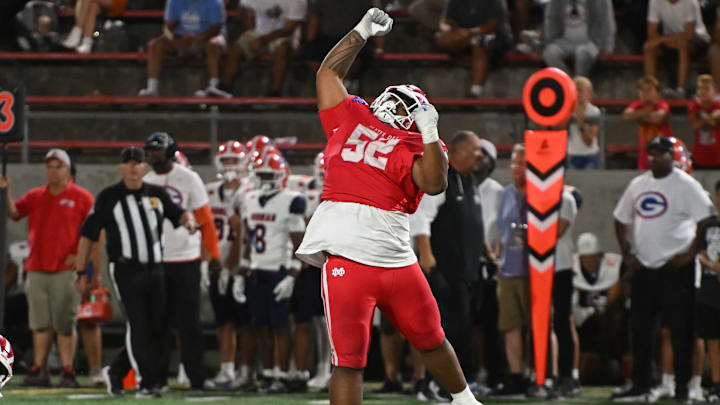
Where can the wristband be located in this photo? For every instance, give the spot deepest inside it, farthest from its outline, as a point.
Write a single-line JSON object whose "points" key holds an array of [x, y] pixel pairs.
{"points": [[430, 136], [360, 28]]}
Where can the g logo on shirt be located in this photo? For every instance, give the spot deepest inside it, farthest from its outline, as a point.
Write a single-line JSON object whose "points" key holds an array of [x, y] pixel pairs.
{"points": [[175, 194], [651, 204]]}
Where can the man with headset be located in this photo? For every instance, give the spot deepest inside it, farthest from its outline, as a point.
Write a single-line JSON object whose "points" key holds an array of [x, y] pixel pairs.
{"points": [[182, 254]]}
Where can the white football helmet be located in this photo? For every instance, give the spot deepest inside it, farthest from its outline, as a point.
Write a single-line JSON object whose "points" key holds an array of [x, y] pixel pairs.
{"points": [[319, 169], [385, 107], [270, 173], [229, 160], [7, 360], [182, 159]]}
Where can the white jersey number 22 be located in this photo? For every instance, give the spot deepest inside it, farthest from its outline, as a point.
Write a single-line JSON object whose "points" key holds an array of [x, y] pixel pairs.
{"points": [[366, 150]]}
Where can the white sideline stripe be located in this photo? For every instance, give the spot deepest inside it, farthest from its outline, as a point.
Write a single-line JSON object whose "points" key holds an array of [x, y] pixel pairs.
{"points": [[544, 224], [326, 303], [210, 399], [545, 184], [83, 397]]}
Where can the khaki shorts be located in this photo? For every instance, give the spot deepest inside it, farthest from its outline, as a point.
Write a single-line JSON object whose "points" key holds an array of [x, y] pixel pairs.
{"points": [[248, 36], [53, 301], [514, 301]]}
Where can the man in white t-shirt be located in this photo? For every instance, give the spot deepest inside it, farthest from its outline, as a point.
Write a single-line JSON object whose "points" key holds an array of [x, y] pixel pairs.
{"points": [[657, 216], [683, 32], [182, 254], [270, 25]]}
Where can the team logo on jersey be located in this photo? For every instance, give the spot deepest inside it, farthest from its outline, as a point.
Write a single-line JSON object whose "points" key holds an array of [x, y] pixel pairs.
{"points": [[154, 203], [359, 100], [338, 272], [651, 204], [175, 194], [66, 202]]}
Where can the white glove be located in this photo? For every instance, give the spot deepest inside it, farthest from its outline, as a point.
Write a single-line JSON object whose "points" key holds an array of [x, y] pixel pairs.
{"points": [[223, 281], [204, 276], [375, 22], [238, 289], [284, 288], [426, 119]]}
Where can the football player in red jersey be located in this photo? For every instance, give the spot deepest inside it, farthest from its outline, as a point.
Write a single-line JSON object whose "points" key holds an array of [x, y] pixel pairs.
{"points": [[379, 161]]}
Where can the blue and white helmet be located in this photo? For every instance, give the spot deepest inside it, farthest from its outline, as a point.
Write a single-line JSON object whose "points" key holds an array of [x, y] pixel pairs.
{"points": [[385, 107]]}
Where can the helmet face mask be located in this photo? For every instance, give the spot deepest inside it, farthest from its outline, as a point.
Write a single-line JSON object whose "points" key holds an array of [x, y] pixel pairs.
{"points": [[270, 173], [395, 105]]}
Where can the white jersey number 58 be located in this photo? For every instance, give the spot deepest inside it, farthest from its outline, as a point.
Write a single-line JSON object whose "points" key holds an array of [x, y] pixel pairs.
{"points": [[361, 149]]}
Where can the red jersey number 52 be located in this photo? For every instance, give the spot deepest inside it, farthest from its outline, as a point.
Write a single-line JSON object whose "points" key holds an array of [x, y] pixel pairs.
{"points": [[363, 149]]}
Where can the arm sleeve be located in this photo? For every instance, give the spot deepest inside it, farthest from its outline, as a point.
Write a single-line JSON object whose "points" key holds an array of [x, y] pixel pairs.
{"points": [[298, 205], [422, 219], [93, 223], [198, 193], [624, 209], [653, 15], [204, 217]]}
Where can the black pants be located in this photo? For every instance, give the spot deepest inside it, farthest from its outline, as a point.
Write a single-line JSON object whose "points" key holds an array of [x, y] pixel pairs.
{"points": [[667, 292], [182, 280], [562, 300], [458, 321], [142, 293]]}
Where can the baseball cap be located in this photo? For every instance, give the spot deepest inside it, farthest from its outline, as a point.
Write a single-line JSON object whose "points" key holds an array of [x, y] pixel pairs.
{"points": [[58, 154], [132, 153], [660, 143], [588, 244], [489, 149]]}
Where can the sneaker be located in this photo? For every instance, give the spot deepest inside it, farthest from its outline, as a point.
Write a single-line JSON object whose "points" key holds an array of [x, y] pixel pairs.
{"points": [[432, 392], [239, 381], [713, 393], [96, 377], [389, 388], [84, 48], [319, 382], [416, 388], [634, 395], [512, 388], [221, 381], [147, 93], [663, 391], [299, 383], [535, 391], [627, 386], [37, 377], [278, 386], [67, 380], [182, 378], [696, 394], [145, 393], [211, 91], [113, 384]]}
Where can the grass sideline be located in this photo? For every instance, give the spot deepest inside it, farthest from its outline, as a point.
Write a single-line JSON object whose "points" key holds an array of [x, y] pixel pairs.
{"points": [[15, 394]]}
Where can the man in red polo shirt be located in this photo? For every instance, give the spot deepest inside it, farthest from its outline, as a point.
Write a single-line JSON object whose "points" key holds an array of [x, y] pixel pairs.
{"points": [[704, 115], [55, 213]]}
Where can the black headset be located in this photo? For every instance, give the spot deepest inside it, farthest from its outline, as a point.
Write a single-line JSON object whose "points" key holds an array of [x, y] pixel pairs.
{"points": [[162, 140]]}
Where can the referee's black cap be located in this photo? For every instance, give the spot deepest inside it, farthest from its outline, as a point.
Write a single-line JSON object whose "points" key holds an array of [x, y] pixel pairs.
{"points": [[660, 143], [132, 153]]}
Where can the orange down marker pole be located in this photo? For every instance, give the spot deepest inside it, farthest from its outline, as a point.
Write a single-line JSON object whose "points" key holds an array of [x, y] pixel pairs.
{"points": [[549, 99]]}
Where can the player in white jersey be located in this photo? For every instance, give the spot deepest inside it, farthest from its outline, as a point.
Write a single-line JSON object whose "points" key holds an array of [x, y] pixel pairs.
{"points": [[306, 303], [226, 290], [662, 208], [182, 254], [274, 218]]}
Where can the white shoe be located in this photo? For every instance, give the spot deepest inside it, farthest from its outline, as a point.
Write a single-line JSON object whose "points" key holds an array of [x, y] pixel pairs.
{"points": [[84, 49], [663, 391], [319, 382], [211, 91], [182, 378], [221, 381], [239, 381], [72, 41], [696, 394], [147, 93]]}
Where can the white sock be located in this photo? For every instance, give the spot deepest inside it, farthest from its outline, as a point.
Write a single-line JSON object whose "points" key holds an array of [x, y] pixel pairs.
{"points": [[227, 368], [668, 379], [464, 397], [214, 81], [476, 89], [575, 374], [152, 84], [244, 371], [695, 382], [75, 34]]}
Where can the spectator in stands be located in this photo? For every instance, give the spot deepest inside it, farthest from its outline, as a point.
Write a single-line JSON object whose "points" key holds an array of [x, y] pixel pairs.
{"points": [[583, 149], [86, 11], [651, 113], [327, 24], [715, 48], [480, 28], [190, 27], [269, 26], [582, 29], [426, 12], [707, 306], [513, 277], [55, 213], [704, 114], [683, 33]]}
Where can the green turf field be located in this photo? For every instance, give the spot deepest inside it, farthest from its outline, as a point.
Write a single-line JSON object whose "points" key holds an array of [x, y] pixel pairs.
{"points": [[14, 394]]}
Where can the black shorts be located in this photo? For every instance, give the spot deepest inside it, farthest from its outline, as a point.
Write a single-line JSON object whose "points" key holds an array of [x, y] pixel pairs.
{"points": [[225, 307], [306, 300], [707, 321], [264, 310], [318, 48]]}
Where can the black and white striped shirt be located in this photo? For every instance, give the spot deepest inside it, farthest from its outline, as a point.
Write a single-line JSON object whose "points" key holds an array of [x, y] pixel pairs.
{"points": [[133, 221]]}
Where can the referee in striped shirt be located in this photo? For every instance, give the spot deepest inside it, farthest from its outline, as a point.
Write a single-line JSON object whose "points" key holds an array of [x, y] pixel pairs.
{"points": [[132, 213]]}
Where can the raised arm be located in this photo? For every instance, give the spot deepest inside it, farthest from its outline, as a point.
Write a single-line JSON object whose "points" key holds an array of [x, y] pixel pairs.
{"points": [[337, 63]]}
